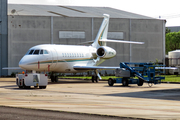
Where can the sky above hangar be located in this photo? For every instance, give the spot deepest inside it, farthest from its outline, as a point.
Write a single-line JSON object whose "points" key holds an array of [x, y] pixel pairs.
{"points": [[160, 9]]}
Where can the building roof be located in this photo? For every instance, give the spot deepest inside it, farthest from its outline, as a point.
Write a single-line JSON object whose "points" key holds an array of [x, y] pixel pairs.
{"points": [[69, 11]]}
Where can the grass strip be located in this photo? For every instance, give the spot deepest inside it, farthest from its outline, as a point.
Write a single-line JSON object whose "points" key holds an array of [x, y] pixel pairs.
{"points": [[168, 78]]}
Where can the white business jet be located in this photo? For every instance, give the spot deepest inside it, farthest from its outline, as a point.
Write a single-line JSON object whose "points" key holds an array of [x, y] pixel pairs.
{"points": [[72, 58]]}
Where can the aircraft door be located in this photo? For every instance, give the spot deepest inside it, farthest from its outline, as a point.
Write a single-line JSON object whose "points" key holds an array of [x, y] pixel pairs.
{"points": [[54, 59], [47, 60]]}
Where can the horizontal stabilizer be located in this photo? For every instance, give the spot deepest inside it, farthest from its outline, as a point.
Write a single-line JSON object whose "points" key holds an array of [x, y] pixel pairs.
{"points": [[12, 68], [94, 68], [121, 41]]}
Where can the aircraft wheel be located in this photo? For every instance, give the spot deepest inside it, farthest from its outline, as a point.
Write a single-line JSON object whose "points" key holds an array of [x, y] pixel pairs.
{"points": [[125, 82], [92, 79], [52, 78], [96, 79], [111, 82], [56, 79]]}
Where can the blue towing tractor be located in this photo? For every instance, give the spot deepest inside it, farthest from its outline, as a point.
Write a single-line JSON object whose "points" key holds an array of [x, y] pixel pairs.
{"points": [[137, 73]]}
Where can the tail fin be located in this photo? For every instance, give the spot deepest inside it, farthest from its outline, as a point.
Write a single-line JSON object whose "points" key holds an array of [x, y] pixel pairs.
{"points": [[102, 33]]}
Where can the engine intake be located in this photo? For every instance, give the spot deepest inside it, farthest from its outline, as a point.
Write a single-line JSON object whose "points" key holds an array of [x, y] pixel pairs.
{"points": [[100, 52], [105, 52]]}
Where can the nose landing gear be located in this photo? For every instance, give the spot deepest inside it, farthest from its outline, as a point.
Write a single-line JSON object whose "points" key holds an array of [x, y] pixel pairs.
{"points": [[54, 78]]}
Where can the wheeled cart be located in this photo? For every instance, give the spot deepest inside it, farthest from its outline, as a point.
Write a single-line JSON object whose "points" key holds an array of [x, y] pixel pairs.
{"points": [[33, 79], [137, 73]]}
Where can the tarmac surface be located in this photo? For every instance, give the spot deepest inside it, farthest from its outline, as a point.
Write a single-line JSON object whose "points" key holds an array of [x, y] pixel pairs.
{"points": [[13, 113], [160, 101]]}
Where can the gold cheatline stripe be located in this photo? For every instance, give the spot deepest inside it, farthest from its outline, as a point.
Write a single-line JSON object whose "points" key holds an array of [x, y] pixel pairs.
{"points": [[65, 60]]}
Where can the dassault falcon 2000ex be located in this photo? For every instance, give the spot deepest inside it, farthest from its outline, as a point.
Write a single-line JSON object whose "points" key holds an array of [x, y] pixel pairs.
{"points": [[72, 58]]}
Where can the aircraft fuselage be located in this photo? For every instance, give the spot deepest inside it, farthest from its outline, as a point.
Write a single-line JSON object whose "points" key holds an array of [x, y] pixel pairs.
{"points": [[60, 58]]}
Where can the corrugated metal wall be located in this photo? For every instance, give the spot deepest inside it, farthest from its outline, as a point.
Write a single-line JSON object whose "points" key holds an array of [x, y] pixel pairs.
{"points": [[3, 37]]}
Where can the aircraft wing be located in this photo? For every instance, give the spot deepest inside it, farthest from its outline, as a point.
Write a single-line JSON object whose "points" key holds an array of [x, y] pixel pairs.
{"points": [[94, 67], [109, 68], [172, 68], [12, 68]]}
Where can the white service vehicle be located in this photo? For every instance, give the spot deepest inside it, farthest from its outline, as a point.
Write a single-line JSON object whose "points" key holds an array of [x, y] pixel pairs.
{"points": [[32, 79]]}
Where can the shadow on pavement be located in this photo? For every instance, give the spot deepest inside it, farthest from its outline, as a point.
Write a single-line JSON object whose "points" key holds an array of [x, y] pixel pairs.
{"points": [[164, 94]]}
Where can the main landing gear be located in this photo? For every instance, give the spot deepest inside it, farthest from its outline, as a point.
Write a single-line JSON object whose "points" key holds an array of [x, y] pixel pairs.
{"points": [[96, 76], [95, 79], [54, 78]]}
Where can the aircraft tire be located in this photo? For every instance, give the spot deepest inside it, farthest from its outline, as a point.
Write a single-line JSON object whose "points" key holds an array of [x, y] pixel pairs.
{"points": [[52, 78], [96, 79], [56, 79], [92, 79]]}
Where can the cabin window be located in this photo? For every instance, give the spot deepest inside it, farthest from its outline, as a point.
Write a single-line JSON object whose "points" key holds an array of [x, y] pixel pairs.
{"points": [[36, 52], [30, 53], [45, 52]]}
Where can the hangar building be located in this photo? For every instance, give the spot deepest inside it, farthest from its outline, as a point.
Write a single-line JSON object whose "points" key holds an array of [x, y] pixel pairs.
{"points": [[29, 25], [3, 37]]}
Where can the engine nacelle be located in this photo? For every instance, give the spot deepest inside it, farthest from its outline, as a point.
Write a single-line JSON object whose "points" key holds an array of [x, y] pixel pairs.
{"points": [[105, 52]]}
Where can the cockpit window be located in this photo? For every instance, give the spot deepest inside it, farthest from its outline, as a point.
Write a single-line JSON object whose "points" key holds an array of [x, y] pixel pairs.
{"points": [[30, 53], [27, 52], [41, 52], [36, 52]]}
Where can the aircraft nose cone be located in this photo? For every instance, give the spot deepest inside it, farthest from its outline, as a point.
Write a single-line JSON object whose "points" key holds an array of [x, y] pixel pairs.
{"points": [[22, 63]]}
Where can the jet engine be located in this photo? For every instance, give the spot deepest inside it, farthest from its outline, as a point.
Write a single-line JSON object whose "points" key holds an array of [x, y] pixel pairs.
{"points": [[105, 52]]}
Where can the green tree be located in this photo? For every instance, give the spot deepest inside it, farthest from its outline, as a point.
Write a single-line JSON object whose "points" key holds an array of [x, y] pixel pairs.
{"points": [[168, 30], [172, 41]]}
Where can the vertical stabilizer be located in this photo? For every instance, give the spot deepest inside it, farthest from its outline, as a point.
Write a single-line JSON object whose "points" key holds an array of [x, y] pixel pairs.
{"points": [[102, 33]]}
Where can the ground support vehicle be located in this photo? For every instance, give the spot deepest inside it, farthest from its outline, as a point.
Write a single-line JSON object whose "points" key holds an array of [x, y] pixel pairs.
{"points": [[32, 79], [137, 73]]}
